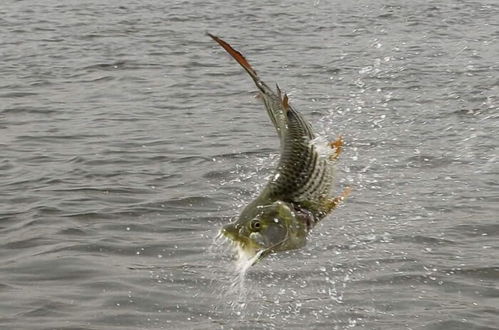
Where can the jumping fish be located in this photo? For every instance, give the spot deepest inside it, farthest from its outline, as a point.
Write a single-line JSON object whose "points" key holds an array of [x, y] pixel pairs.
{"points": [[299, 193]]}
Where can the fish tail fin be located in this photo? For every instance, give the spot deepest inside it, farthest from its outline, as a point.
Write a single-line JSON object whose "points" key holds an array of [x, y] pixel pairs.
{"points": [[276, 104], [239, 59]]}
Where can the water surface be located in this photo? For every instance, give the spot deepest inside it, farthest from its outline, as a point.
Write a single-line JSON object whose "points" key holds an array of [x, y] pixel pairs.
{"points": [[128, 138]]}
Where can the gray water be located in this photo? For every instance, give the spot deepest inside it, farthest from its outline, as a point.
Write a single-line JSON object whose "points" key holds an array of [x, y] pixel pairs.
{"points": [[128, 138]]}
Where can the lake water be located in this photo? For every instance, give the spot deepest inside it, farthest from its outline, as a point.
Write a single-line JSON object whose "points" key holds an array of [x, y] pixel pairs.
{"points": [[128, 138]]}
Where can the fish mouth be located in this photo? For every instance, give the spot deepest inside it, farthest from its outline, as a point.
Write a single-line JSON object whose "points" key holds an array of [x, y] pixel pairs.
{"points": [[250, 245], [253, 247]]}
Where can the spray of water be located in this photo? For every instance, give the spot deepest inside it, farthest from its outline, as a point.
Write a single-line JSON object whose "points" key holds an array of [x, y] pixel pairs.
{"points": [[234, 292]]}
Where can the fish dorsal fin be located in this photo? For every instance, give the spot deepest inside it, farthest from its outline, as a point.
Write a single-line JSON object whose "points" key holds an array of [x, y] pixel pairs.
{"points": [[284, 98], [275, 103], [285, 103]]}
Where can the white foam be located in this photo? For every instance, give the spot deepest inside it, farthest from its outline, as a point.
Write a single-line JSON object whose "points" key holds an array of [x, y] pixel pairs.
{"points": [[322, 146]]}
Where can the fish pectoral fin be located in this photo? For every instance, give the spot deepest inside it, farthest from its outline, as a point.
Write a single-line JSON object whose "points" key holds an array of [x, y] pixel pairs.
{"points": [[337, 146], [333, 203]]}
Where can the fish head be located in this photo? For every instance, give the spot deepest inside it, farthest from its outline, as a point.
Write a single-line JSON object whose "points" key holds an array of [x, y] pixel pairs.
{"points": [[271, 228]]}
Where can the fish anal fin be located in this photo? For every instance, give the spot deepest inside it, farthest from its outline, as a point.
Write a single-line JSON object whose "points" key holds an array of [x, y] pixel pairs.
{"points": [[235, 54], [333, 203], [337, 146]]}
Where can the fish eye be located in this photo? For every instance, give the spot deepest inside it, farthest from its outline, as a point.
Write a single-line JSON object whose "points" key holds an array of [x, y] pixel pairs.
{"points": [[255, 225]]}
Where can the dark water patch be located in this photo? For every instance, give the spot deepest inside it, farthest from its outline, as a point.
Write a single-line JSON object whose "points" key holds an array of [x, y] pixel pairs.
{"points": [[62, 269], [394, 260], [126, 158], [77, 232], [477, 229], [245, 154], [115, 319], [17, 94], [97, 79], [63, 327], [41, 83], [108, 66], [29, 242], [41, 139], [192, 160], [470, 113], [42, 211], [190, 204], [486, 273], [424, 240], [6, 287], [46, 309], [121, 246], [458, 325], [218, 174], [27, 109], [121, 191], [168, 226], [89, 216], [428, 161], [121, 65]]}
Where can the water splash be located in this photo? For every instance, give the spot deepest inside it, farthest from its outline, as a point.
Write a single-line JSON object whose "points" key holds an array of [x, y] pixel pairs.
{"points": [[322, 145], [246, 260], [234, 293]]}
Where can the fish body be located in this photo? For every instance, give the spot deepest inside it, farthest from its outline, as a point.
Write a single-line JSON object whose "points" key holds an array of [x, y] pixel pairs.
{"points": [[298, 194]]}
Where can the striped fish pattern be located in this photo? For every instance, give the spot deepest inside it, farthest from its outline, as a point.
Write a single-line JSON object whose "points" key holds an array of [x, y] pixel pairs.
{"points": [[298, 195]]}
